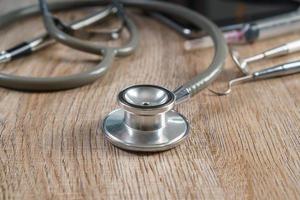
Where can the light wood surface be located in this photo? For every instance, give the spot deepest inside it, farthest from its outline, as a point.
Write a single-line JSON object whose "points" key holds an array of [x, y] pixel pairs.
{"points": [[243, 146]]}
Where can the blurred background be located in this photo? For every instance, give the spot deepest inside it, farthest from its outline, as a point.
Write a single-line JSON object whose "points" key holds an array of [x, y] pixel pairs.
{"points": [[225, 12]]}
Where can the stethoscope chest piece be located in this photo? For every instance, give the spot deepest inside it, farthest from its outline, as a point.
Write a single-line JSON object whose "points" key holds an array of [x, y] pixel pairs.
{"points": [[146, 121]]}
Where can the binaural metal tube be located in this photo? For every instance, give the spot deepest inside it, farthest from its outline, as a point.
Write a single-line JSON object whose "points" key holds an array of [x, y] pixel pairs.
{"points": [[45, 40]]}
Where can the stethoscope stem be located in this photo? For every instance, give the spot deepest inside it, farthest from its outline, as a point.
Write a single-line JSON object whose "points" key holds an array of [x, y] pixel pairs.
{"points": [[182, 94]]}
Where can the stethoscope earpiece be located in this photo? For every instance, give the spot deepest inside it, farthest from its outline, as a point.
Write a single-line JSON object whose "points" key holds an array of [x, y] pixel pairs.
{"points": [[146, 121]]}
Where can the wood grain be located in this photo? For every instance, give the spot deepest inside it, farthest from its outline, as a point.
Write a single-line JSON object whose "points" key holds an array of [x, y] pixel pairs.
{"points": [[243, 146]]}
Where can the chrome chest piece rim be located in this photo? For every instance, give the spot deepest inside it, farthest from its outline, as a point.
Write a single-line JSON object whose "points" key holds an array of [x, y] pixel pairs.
{"points": [[146, 121]]}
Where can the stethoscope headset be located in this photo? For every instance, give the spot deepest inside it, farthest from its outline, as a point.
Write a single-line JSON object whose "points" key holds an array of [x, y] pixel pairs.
{"points": [[146, 120]]}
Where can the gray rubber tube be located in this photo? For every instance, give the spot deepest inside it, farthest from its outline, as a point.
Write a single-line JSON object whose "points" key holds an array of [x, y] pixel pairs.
{"points": [[71, 81], [58, 83]]}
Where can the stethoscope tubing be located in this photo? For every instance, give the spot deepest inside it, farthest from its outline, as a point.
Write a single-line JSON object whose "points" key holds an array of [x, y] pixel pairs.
{"points": [[58, 83]]}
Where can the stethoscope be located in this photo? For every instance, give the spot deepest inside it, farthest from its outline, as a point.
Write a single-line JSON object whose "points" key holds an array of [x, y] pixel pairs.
{"points": [[146, 120]]}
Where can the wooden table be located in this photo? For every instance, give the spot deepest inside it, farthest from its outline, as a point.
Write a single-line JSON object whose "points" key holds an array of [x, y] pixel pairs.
{"points": [[242, 146]]}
